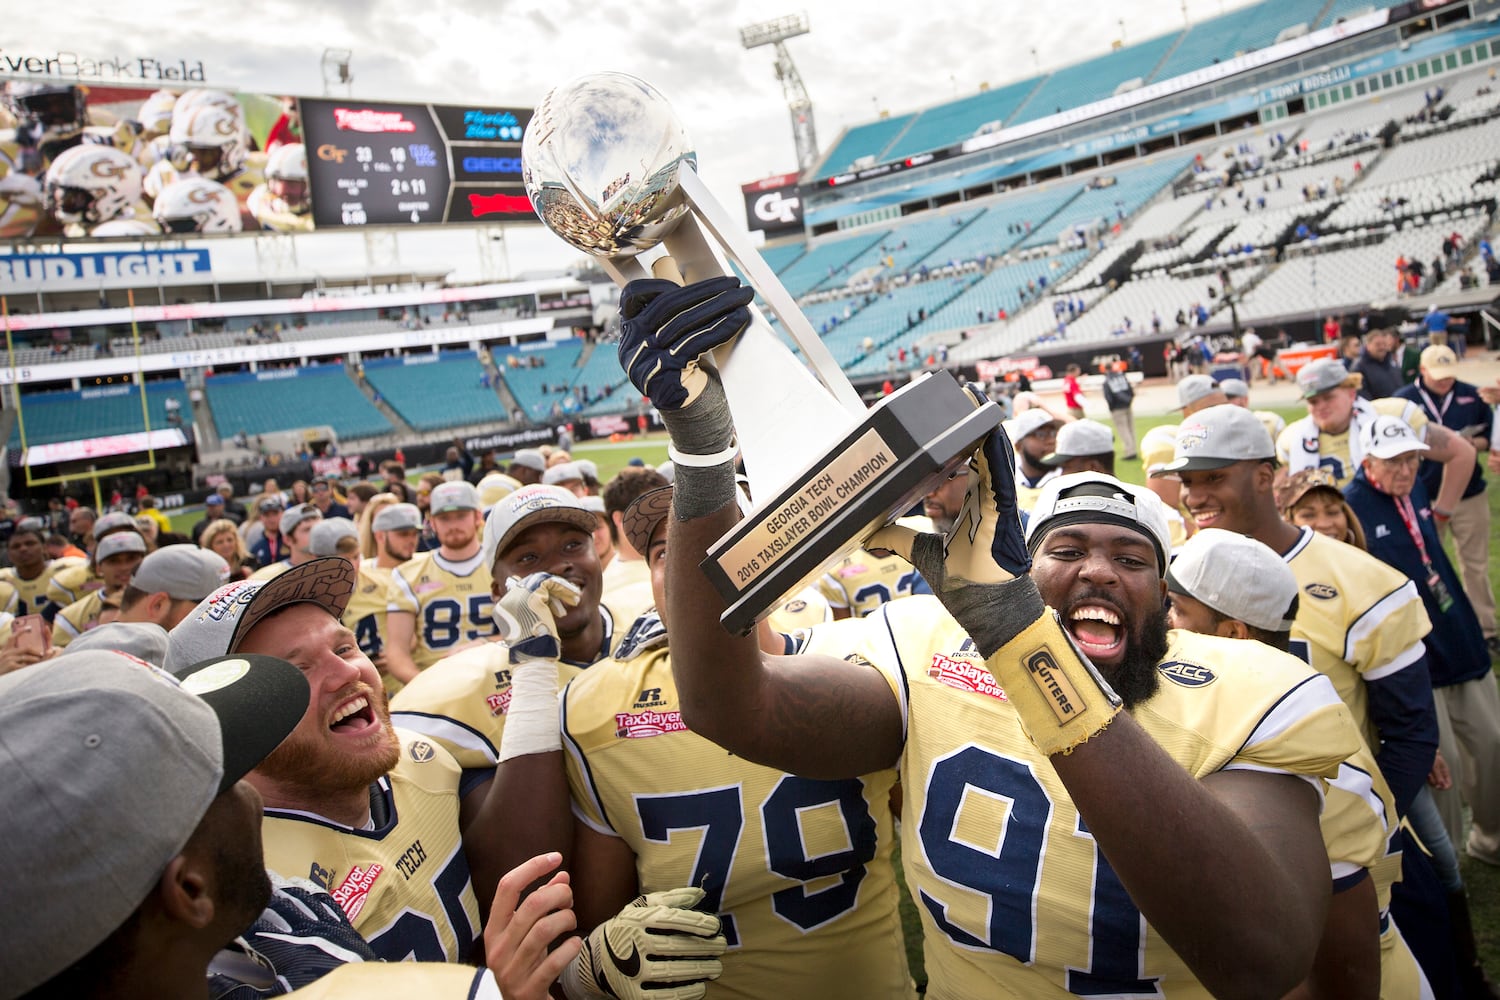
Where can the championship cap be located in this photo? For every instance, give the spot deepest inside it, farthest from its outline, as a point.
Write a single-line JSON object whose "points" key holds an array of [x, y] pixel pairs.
{"points": [[1028, 422], [534, 504], [326, 535], [115, 520], [183, 572], [1439, 361], [1193, 388], [398, 517], [495, 486], [1235, 388], [1236, 576], [296, 515], [1322, 375], [1093, 498], [32, 524], [142, 640], [643, 515], [223, 618], [531, 459], [563, 472], [117, 544], [107, 767], [1388, 437], [1219, 436], [1080, 439], [453, 496]]}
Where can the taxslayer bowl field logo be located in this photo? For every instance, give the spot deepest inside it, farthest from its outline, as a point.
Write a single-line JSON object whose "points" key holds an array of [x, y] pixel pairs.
{"points": [[639, 725], [964, 675]]}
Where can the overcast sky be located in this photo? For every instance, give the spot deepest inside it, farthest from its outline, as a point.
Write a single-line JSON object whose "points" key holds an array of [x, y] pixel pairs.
{"points": [[860, 58]]}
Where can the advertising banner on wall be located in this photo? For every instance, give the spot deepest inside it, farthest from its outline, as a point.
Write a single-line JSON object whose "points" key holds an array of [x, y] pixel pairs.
{"points": [[773, 205]]}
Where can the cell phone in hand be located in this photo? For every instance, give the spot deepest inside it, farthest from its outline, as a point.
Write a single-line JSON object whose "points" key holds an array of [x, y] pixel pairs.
{"points": [[31, 633]]}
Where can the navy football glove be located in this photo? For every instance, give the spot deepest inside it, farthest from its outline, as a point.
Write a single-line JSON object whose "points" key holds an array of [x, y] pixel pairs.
{"points": [[668, 327]]}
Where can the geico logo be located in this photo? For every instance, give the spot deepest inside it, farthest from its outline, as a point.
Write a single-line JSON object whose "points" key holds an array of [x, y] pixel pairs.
{"points": [[492, 164], [772, 207], [328, 151]]}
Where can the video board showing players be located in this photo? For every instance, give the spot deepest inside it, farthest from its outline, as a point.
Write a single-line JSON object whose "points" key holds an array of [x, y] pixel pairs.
{"points": [[94, 162], [97, 162], [378, 163]]}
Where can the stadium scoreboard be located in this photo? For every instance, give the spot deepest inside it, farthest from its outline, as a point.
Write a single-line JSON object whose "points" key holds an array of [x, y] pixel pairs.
{"points": [[382, 164]]}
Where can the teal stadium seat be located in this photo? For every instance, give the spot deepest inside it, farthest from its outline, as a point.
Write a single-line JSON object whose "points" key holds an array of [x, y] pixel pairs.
{"points": [[435, 391], [863, 140], [526, 383], [283, 399], [957, 120], [98, 411], [1243, 30], [1086, 82]]}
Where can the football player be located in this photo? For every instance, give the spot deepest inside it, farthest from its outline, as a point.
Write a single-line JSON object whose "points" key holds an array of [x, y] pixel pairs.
{"points": [[93, 186], [30, 571], [1328, 437], [197, 205], [440, 598], [115, 559], [1033, 433], [295, 526], [281, 203], [73, 579], [1038, 868], [388, 537]]}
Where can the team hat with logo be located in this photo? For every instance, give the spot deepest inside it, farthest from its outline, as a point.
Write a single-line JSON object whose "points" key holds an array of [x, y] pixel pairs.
{"points": [[326, 535], [1236, 576], [143, 640], [223, 618], [529, 505], [1028, 422], [107, 767], [1094, 498], [1235, 388], [296, 515], [115, 520], [1388, 437], [453, 496], [184, 572], [398, 517], [1219, 436], [117, 544], [1080, 439], [1324, 374], [1439, 361], [644, 514], [531, 459], [1195, 387]]}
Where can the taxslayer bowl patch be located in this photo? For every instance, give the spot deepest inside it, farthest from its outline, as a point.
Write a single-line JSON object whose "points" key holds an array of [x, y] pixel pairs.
{"points": [[639, 725], [964, 675]]}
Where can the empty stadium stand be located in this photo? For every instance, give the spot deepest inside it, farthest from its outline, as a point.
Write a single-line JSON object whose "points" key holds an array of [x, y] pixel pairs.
{"points": [[97, 411], [434, 391], [282, 399]]}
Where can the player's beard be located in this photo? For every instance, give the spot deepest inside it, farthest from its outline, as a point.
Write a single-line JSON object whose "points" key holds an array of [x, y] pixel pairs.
{"points": [[1135, 679], [312, 765]]}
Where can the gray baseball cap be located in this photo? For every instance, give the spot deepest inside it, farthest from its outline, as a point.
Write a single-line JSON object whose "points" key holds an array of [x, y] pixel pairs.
{"points": [[588, 468], [223, 618], [1219, 436], [531, 459], [115, 520], [1093, 497], [563, 472], [1079, 439], [184, 572], [457, 495], [398, 517], [326, 535], [107, 767], [294, 516], [117, 544], [535, 504], [1236, 576], [1320, 376], [1235, 388], [143, 640], [1193, 388], [1028, 422]]}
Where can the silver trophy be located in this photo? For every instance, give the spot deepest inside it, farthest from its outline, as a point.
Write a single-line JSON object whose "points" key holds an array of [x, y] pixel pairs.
{"points": [[610, 169]]}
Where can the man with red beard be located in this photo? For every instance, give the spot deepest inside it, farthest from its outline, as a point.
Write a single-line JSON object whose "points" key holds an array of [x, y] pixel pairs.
{"points": [[368, 812]]}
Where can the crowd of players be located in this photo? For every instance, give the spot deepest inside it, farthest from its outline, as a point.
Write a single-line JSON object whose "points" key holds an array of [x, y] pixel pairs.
{"points": [[182, 163], [1177, 740]]}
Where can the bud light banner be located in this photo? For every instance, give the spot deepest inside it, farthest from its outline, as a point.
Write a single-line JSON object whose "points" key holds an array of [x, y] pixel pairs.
{"points": [[773, 205]]}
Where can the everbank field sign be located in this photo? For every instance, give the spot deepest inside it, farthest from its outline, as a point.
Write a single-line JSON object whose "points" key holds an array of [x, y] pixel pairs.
{"points": [[99, 66]]}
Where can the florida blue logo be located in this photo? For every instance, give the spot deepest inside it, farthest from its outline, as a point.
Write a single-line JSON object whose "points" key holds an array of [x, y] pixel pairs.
{"points": [[1189, 675], [1322, 591]]}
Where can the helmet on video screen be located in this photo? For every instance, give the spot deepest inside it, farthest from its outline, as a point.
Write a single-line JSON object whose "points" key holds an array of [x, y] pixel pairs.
{"points": [[92, 184], [286, 175], [155, 114], [22, 204], [197, 205], [49, 116], [126, 227], [214, 137]]}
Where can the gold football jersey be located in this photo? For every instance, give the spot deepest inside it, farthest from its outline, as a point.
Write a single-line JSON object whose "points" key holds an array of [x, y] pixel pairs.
{"points": [[405, 884], [1014, 895], [461, 701], [72, 583], [77, 618], [402, 981], [1333, 449], [365, 615], [31, 595], [451, 601], [799, 870], [1358, 619], [859, 583], [9, 599]]}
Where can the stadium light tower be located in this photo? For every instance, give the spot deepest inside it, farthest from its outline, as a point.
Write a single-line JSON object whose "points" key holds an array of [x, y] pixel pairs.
{"points": [[776, 32]]}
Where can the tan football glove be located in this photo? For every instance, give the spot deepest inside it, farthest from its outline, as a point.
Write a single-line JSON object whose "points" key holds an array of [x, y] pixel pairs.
{"points": [[657, 948]]}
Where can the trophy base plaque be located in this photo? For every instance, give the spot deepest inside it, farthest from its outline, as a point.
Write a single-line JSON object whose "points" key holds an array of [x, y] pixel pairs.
{"points": [[903, 449]]}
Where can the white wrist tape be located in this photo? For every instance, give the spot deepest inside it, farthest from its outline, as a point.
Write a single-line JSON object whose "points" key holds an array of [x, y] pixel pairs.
{"points": [[531, 724]]}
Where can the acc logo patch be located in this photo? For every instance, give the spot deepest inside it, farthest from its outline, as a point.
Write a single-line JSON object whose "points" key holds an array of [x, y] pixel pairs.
{"points": [[1322, 591], [793, 607], [421, 751], [1189, 675]]}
